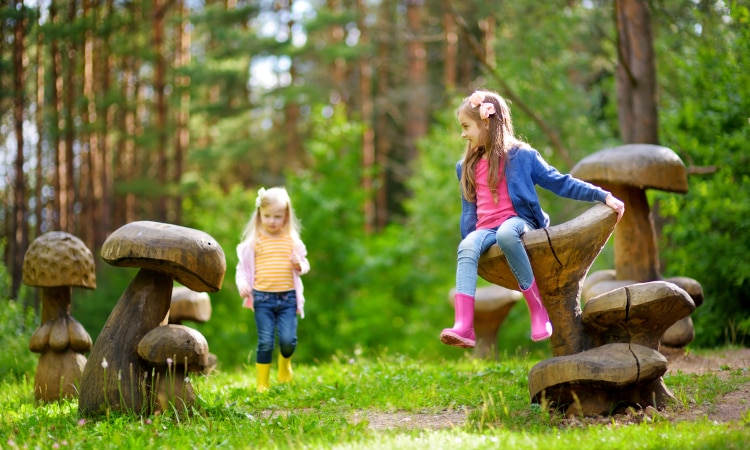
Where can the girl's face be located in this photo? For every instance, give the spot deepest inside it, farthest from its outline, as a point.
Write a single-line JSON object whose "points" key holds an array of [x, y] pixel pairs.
{"points": [[272, 219], [471, 130]]}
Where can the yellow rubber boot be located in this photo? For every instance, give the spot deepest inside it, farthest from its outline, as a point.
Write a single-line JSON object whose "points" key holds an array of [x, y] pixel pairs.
{"points": [[263, 375], [285, 369]]}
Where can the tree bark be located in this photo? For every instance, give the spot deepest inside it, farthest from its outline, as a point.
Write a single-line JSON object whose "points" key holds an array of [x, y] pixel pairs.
{"points": [[368, 134], [383, 134], [182, 138], [20, 241], [157, 41], [636, 73], [416, 113]]}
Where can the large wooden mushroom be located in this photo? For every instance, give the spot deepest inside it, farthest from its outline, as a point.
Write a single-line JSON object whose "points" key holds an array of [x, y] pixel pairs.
{"points": [[561, 256], [116, 377], [56, 262], [628, 171], [605, 355]]}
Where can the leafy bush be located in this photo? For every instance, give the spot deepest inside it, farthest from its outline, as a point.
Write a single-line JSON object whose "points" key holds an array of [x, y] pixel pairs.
{"points": [[707, 233], [17, 323]]}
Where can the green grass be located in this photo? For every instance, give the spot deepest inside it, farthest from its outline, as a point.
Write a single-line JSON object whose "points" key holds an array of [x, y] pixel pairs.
{"points": [[329, 402]]}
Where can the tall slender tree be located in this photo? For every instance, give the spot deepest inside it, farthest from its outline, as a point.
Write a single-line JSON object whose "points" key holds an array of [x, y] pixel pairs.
{"points": [[19, 241]]}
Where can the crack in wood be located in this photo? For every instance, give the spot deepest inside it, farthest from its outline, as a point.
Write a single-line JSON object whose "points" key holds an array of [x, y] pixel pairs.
{"points": [[551, 248]]}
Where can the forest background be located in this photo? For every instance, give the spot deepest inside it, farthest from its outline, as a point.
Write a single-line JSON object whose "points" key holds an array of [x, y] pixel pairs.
{"points": [[177, 111]]}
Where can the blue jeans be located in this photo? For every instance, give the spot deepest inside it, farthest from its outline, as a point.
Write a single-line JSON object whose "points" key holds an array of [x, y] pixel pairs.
{"points": [[275, 311], [508, 237]]}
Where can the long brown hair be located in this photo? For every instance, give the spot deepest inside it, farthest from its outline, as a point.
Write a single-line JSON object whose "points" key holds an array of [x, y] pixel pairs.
{"points": [[498, 139]]}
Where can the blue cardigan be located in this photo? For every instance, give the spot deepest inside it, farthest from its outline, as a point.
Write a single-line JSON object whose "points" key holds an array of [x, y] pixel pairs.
{"points": [[524, 170]]}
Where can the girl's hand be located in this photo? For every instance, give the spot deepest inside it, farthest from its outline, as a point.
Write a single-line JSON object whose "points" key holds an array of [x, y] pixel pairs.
{"points": [[616, 204], [296, 262]]}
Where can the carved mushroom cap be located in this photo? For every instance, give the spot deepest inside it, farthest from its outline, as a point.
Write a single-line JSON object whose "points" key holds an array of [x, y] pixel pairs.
{"points": [[189, 305], [610, 367], [57, 259], [175, 344], [638, 313], [190, 256], [644, 166]]}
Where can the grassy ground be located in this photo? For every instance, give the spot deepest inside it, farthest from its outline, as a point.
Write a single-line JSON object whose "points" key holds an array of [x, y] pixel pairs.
{"points": [[382, 402]]}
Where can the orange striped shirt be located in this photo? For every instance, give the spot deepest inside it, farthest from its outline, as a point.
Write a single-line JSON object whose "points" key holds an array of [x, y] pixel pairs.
{"points": [[273, 269]]}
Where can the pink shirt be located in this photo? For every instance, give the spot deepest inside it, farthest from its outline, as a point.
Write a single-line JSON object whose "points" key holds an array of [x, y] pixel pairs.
{"points": [[489, 213]]}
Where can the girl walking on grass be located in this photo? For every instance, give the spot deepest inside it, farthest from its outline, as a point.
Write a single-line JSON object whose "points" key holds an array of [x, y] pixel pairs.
{"points": [[497, 177], [272, 258]]}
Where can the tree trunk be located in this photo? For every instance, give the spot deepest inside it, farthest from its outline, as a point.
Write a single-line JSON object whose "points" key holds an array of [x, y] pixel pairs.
{"points": [[69, 105], [383, 135], [55, 109], [182, 138], [636, 73], [41, 181], [106, 123], [416, 113], [157, 42], [87, 136], [368, 136], [450, 65], [292, 141], [20, 240]]}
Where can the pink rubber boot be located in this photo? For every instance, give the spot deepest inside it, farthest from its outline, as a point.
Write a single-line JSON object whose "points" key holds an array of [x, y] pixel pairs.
{"points": [[462, 333], [541, 328]]}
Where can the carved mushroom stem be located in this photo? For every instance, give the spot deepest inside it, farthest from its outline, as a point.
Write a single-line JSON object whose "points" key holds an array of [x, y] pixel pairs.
{"points": [[635, 262], [56, 302], [141, 308]]}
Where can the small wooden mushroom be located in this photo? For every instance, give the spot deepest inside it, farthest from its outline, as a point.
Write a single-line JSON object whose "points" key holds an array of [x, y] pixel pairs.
{"points": [[56, 262], [117, 379], [174, 351], [192, 306], [491, 306], [638, 313], [680, 333]]}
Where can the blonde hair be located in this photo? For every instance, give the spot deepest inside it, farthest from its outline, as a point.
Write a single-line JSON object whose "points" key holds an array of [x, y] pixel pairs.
{"points": [[275, 196], [498, 139]]}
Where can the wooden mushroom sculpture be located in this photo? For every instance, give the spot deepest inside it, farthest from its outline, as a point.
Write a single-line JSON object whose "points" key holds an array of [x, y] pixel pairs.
{"points": [[606, 354], [561, 256], [174, 351], [56, 262], [192, 306], [623, 365], [627, 171], [492, 305], [117, 378], [187, 304]]}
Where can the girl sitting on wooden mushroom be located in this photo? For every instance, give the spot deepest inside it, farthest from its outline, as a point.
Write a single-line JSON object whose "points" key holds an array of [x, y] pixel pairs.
{"points": [[498, 175]]}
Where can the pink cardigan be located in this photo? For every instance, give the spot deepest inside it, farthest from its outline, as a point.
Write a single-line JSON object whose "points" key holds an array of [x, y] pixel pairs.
{"points": [[245, 275]]}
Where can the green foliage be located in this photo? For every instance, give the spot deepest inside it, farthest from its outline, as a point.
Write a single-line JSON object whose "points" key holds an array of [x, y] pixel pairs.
{"points": [[16, 327], [17, 323], [707, 233]]}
